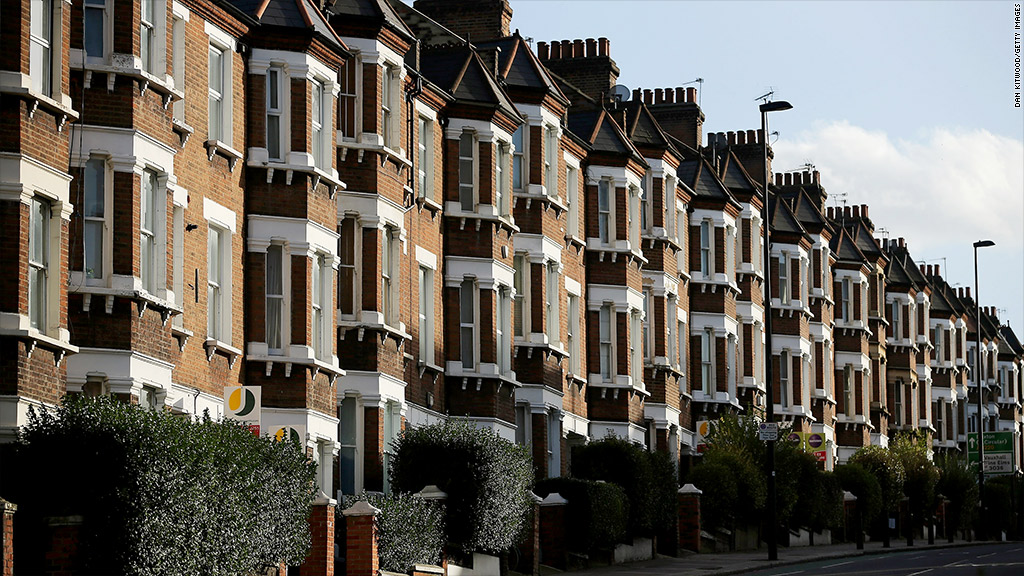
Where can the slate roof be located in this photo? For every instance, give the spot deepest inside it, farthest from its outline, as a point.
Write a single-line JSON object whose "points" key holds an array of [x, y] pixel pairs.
{"points": [[289, 14], [375, 10], [782, 218], [459, 71], [735, 176], [845, 248], [599, 130], [642, 128], [1009, 338], [699, 176], [518, 66], [807, 212]]}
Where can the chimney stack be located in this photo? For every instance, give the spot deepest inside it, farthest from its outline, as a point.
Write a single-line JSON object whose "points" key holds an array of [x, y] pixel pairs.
{"points": [[475, 20]]}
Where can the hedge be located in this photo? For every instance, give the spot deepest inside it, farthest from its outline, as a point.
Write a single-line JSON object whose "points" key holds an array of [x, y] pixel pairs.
{"points": [[862, 484], [487, 479], [410, 530], [159, 493], [596, 511], [649, 484]]}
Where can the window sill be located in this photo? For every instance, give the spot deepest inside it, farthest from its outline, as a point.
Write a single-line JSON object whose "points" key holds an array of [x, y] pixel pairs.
{"points": [[386, 331], [17, 326], [573, 240], [21, 85], [547, 201], [217, 147], [316, 174], [454, 210], [425, 367], [314, 364], [429, 204], [183, 130], [361, 148], [615, 248], [126, 65], [620, 382], [213, 346], [856, 421], [483, 371], [142, 298], [182, 334], [546, 348]]}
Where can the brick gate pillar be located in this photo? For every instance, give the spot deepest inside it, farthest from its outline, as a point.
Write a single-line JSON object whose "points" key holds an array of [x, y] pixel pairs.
{"points": [[7, 537], [361, 540], [552, 531], [320, 559], [689, 518]]}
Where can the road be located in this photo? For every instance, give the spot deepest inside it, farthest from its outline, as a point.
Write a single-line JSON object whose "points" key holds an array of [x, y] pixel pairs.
{"points": [[986, 560]]}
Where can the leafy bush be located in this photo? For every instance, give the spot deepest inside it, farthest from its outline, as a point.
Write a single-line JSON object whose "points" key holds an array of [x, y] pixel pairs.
{"points": [[864, 485], [650, 484], [487, 478], [597, 512], [998, 497], [734, 445], [921, 475], [888, 470], [161, 494], [958, 483], [719, 501], [410, 530]]}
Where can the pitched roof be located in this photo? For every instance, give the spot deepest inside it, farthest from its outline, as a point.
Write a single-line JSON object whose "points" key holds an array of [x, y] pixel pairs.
{"points": [[290, 14], [807, 212], [518, 66], [375, 10], [642, 128], [699, 176], [599, 130], [1009, 338], [782, 218], [735, 176], [429, 32], [460, 71], [845, 248]]}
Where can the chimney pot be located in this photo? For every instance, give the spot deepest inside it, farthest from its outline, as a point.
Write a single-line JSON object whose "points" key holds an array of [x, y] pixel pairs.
{"points": [[566, 48], [637, 94], [691, 94], [926, 270], [856, 211], [798, 178], [760, 135], [542, 51], [680, 95], [648, 96], [938, 271], [670, 96], [864, 210], [659, 95], [846, 211], [817, 178], [732, 137], [741, 138], [751, 136], [778, 177], [591, 47], [577, 48], [603, 47], [828, 212]]}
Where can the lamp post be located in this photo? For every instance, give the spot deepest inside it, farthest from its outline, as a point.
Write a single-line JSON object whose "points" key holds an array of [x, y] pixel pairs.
{"points": [[977, 380], [773, 548]]}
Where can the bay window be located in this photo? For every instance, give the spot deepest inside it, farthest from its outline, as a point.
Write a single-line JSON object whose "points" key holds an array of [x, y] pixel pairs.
{"points": [[426, 316], [94, 30], [41, 38], [784, 279], [147, 34], [347, 232], [605, 341], [553, 318], [518, 152], [319, 118], [503, 356], [149, 225], [521, 306], [94, 216]]}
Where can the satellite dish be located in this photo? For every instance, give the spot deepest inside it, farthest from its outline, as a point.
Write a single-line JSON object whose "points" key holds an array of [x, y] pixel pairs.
{"points": [[621, 93]]}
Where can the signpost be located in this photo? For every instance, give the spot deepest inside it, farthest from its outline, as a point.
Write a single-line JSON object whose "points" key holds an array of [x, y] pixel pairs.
{"points": [[768, 431], [999, 457]]}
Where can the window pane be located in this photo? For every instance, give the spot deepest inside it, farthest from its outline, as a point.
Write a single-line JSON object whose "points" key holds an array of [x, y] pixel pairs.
{"points": [[93, 28]]}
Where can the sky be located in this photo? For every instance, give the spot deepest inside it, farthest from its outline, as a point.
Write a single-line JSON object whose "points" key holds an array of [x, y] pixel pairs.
{"points": [[907, 107]]}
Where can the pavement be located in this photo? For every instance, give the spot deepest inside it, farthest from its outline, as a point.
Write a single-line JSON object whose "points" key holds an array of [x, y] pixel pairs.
{"points": [[748, 561]]}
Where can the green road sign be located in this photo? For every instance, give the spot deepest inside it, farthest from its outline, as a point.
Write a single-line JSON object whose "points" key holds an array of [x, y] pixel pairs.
{"points": [[998, 451]]}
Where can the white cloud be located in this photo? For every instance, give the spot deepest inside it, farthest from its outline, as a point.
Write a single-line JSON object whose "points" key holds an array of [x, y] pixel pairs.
{"points": [[949, 187], [941, 191]]}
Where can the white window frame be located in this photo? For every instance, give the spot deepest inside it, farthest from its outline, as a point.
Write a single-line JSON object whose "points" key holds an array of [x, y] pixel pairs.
{"points": [[635, 194], [389, 273], [503, 330], [671, 324], [849, 392], [502, 166], [468, 183], [96, 10], [940, 419], [350, 100], [896, 308], [606, 340], [898, 401], [178, 62], [572, 187], [730, 253], [220, 129], [148, 40], [605, 211], [519, 158], [44, 32], [636, 349], [553, 320], [350, 258], [647, 327], [390, 107], [551, 161], [682, 339], [521, 283], [321, 121], [100, 220], [572, 334], [706, 235], [707, 362], [152, 196], [321, 283], [425, 170], [41, 264], [426, 314], [785, 380], [279, 299], [469, 313], [846, 300], [276, 112], [784, 278], [218, 315]]}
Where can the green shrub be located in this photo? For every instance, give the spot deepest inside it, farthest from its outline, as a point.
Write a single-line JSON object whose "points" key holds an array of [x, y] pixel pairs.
{"points": [[998, 499], [649, 483], [161, 494], [487, 478], [921, 476], [829, 509], [597, 512], [888, 470], [864, 485], [720, 500], [958, 483], [410, 530]]}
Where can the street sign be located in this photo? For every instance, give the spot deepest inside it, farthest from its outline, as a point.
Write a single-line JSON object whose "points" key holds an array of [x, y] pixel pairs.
{"points": [[768, 431], [998, 451]]}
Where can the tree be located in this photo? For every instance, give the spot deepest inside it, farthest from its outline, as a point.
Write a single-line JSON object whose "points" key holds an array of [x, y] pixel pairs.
{"points": [[920, 475], [159, 493], [958, 483]]}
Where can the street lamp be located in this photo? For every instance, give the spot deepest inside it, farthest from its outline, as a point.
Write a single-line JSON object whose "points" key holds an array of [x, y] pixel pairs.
{"points": [[773, 548], [977, 380]]}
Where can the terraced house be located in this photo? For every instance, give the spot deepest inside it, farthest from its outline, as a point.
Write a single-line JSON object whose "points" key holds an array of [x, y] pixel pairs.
{"points": [[381, 215]]}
